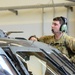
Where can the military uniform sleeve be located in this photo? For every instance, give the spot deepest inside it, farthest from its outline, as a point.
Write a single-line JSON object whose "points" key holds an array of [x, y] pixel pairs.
{"points": [[45, 39], [71, 43]]}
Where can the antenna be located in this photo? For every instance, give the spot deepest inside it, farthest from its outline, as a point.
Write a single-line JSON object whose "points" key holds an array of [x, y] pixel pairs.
{"points": [[9, 32]]}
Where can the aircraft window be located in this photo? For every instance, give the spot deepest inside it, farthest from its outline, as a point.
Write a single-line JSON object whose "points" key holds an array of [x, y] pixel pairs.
{"points": [[36, 63], [5, 67]]}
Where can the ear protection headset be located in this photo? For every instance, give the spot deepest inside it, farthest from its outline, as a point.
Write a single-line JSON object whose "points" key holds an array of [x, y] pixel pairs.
{"points": [[63, 27]]}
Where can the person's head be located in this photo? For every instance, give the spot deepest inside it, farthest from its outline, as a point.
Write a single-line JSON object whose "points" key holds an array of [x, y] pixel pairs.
{"points": [[59, 24], [33, 38]]}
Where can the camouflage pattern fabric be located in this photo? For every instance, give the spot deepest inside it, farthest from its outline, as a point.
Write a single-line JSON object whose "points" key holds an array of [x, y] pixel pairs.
{"points": [[66, 44]]}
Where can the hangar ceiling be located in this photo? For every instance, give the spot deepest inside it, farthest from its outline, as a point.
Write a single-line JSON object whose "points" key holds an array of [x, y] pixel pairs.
{"points": [[4, 3], [12, 3], [15, 5]]}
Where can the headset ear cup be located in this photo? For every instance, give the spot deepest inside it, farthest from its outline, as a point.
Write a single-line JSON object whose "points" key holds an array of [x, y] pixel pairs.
{"points": [[63, 28]]}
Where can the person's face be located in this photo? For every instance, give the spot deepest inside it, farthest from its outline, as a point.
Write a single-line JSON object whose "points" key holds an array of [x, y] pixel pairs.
{"points": [[33, 39], [56, 26]]}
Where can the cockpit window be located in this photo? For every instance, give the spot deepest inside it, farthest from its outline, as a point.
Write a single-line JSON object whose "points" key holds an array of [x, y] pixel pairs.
{"points": [[36, 63], [5, 67]]}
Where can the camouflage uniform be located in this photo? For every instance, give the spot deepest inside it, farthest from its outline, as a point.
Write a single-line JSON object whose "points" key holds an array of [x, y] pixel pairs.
{"points": [[65, 44]]}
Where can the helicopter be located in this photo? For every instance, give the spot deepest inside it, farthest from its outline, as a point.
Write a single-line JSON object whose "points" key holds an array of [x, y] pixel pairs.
{"points": [[26, 57]]}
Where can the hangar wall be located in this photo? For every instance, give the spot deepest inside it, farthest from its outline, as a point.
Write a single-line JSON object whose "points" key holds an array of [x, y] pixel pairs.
{"points": [[35, 21]]}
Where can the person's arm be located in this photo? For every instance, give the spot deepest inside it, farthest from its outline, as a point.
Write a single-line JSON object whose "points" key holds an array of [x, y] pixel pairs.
{"points": [[41, 39], [45, 39], [70, 42]]}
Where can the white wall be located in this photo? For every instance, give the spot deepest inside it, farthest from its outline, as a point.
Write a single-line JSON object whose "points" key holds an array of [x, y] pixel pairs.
{"points": [[72, 23], [28, 21], [33, 22]]}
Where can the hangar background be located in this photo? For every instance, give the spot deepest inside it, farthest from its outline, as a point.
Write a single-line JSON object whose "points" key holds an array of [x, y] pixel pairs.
{"points": [[34, 17]]}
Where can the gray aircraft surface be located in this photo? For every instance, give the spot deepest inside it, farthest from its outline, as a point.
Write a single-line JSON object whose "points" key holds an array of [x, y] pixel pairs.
{"points": [[25, 57]]}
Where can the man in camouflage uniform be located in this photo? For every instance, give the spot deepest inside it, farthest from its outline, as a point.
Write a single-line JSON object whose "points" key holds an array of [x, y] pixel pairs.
{"points": [[60, 40]]}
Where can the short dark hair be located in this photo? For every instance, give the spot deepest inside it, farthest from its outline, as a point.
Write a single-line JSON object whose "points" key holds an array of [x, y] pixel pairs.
{"points": [[32, 36], [59, 19]]}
